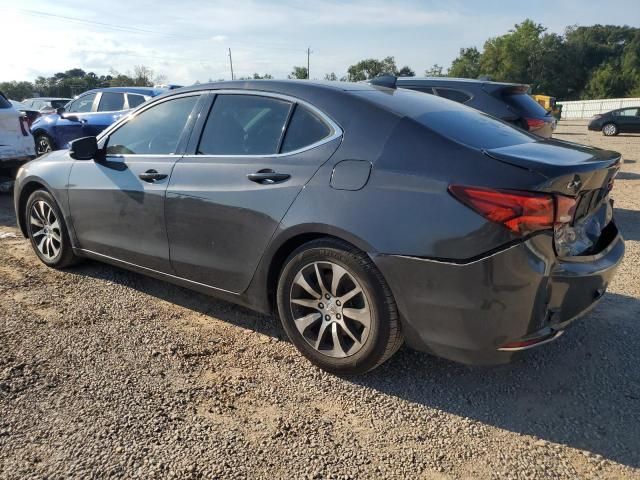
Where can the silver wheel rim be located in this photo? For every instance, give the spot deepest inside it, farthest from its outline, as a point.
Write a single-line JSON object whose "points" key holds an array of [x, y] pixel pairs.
{"points": [[45, 229], [330, 309], [43, 146], [609, 129]]}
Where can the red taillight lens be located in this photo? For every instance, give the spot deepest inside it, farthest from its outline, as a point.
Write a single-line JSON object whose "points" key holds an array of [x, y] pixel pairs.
{"points": [[520, 212], [534, 123], [24, 125]]}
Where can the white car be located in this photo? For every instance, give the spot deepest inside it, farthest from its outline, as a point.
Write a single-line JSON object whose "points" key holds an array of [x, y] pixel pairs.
{"points": [[16, 142]]}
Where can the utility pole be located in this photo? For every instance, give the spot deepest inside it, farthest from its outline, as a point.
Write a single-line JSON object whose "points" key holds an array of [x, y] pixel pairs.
{"points": [[231, 63], [309, 52]]}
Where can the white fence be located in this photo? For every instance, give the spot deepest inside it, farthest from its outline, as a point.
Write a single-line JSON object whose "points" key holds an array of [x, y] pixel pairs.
{"points": [[589, 108]]}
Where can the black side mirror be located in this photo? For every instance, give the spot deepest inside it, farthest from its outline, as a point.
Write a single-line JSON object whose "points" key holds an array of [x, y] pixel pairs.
{"points": [[85, 148], [60, 110]]}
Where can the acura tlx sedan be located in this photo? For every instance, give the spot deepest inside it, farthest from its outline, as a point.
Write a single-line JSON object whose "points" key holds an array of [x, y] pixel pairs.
{"points": [[364, 216]]}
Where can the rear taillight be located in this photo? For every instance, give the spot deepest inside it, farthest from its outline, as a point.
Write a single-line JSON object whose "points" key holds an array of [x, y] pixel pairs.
{"points": [[520, 212], [24, 125], [534, 123]]}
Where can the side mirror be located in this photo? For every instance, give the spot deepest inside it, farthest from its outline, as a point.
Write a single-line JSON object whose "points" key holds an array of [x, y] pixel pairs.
{"points": [[60, 110], [85, 148]]}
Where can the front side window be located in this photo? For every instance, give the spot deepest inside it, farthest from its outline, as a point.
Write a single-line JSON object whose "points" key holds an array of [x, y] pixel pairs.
{"points": [[629, 112], [155, 131], [135, 100], [111, 102], [455, 95], [244, 125], [305, 128], [82, 104]]}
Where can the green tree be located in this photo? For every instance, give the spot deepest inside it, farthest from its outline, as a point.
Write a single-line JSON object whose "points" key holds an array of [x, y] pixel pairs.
{"points": [[331, 77], [299, 73], [406, 72], [17, 90], [266, 76], [466, 65], [371, 68], [434, 71]]}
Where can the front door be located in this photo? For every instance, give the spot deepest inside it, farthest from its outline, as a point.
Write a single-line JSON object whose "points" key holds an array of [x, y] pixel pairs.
{"points": [[117, 203], [227, 197]]}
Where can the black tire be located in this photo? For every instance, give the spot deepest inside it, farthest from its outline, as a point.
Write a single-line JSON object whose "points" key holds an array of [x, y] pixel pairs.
{"points": [[610, 129], [56, 241], [383, 334], [44, 144]]}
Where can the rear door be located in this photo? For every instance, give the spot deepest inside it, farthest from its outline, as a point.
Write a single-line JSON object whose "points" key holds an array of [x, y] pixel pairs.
{"points": [[226, 198], [117, 203]]}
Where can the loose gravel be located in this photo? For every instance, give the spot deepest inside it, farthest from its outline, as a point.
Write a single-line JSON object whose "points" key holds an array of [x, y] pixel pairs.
{"points": [[109, 374]]}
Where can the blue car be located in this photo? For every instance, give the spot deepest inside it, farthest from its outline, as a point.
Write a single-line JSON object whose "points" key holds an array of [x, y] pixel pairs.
{"points": [[87, 115]]}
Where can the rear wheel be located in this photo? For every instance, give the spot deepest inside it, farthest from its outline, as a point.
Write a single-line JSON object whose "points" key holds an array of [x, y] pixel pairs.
{"points": [[47, 231], [609, 129], [337, 308], [44, 144]]}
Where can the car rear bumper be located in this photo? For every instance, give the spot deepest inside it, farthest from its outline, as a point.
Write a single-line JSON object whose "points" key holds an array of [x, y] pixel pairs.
{"points": [[470, 312]]}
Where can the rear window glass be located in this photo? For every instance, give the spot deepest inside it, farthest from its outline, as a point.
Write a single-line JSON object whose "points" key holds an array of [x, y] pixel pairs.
{"points": [[304, 129], [111, 102], [454, 121], [525, 105], [455, 95], [4, 103], [59, 103]]}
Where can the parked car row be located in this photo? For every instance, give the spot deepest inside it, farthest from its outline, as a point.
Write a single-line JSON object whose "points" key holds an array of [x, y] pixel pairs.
{"points": [[364, 216]]}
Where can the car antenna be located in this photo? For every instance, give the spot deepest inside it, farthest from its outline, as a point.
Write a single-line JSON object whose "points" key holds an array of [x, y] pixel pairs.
{"points": [[385, 80]]}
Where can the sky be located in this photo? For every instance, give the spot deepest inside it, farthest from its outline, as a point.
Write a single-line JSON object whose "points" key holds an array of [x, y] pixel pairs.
{"points": [[188, 40]]}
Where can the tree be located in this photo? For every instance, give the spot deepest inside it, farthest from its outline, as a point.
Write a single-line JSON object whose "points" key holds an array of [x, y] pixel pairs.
{"points": [[266, 76], [466, 65], [299, 73], [17, 90], [406, 72], [331, 77], [371, 68], [142, 76], [434, 71]]}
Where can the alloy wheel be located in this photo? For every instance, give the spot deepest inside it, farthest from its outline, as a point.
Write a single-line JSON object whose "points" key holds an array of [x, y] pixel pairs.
{"points": [[45, 229], [43, 145], [330, 309], [609, 129]]}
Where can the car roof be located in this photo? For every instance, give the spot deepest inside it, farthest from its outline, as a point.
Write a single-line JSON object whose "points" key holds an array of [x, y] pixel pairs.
{"points": [[47, 99], [149, 91], [278, 85], [455, 81]]}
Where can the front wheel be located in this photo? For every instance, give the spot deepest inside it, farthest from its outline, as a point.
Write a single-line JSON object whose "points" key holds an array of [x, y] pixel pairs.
{"points": [[44, 144], [337, 308], [610, 129], [47, 231]]}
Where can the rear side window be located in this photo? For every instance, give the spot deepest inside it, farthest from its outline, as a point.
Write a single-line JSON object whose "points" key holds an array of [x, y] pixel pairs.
{"points": [[58, 103], [244, 125], [305, 128], [135, 100], [455, 95], [155, 131], [4, 103], [525, 105], [111, 102]]}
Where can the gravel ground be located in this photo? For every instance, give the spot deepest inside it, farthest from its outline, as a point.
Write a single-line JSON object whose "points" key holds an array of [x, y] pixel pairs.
{"points": [[106, 373]]}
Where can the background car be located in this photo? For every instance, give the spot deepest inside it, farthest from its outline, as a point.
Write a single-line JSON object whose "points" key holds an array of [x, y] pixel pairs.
{"points": [[625, 120], [30, 112], [506, 101], [16, 142], [86, 115], [46, 105], [364, 216]]}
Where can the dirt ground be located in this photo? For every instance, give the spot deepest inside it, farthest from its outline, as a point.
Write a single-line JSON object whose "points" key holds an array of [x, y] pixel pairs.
{"points": [[109, 374]]}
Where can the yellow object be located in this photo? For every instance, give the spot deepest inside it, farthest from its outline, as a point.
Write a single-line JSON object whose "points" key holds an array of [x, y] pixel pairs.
{"points": [[549, 104]]}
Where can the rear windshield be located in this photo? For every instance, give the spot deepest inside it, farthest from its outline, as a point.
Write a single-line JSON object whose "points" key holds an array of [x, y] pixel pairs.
{"points": [[4, 103], [59, 103], [525, 105], [452, 120]]}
